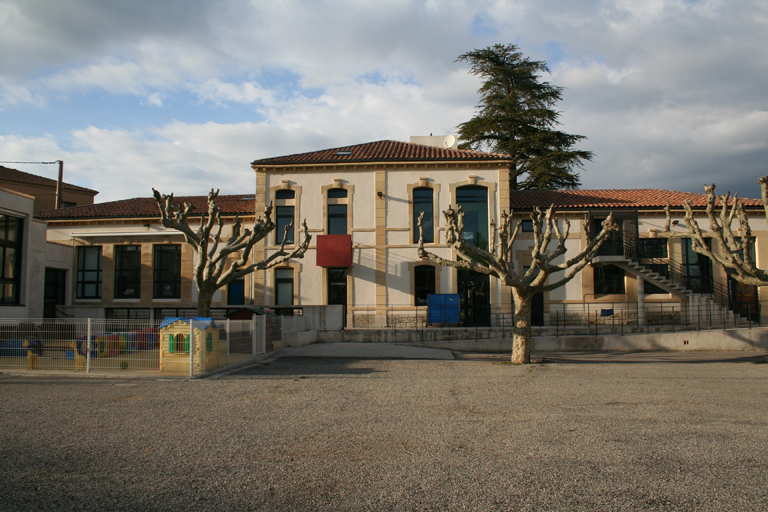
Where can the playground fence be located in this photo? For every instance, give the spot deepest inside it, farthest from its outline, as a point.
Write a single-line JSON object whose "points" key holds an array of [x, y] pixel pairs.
{"points": [[169, 346]]}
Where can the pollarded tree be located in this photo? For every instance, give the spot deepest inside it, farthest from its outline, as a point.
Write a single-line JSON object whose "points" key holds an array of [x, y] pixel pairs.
{"points": [[515, 117], [498, 262], [211, 271], [736, 252]]}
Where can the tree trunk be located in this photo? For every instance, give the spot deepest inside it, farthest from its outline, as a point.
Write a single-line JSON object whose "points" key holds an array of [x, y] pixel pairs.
{"points": [[521, 332], [204, 303]]}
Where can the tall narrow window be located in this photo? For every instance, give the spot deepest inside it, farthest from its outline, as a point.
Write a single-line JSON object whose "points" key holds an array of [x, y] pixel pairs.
{"points": [[10, 259], [337, 286], [89, 272], [697, 268], [236, 293], [337, 211], [284, 287], [474, 201], [127, 271], [284, 215], [423, 284], [422, 203], [167, 270]]}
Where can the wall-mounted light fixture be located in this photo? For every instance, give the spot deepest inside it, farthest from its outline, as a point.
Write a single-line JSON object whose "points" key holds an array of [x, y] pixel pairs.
{"points": [[380, 193]]}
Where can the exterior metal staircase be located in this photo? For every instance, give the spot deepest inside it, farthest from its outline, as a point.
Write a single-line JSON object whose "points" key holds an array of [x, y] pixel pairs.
{"points": [[713, 301]]}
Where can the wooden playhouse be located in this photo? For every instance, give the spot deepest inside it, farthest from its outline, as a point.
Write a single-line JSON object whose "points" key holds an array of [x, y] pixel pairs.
{"points": [[174, 335]]}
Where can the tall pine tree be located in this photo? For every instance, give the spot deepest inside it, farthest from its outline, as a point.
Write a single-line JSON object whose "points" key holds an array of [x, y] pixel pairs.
{"points": [[515, 117]]}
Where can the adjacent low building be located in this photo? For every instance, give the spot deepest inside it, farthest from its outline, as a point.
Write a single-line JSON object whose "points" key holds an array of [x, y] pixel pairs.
{"points": [[124, 264], [43, 189]]}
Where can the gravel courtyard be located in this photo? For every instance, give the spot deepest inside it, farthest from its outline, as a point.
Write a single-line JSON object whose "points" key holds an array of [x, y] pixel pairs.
{"points": [[651, 431]]}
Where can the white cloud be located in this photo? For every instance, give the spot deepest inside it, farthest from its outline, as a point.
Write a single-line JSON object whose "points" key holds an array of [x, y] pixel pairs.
{"points": [[668, 91]]}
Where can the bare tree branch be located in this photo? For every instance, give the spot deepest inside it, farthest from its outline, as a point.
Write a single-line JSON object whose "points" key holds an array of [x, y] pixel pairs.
{"points": [[211, 271], [498, 261]]}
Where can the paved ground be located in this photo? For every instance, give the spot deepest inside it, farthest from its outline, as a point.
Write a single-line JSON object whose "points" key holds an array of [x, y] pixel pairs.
{"points": [[658, 431], [366, 351]]}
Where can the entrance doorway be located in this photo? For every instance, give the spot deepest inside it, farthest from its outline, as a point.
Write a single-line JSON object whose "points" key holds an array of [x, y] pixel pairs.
{"points": [[337, 289], [537, 310], [475, 298], [742, 300], [55, 291]]}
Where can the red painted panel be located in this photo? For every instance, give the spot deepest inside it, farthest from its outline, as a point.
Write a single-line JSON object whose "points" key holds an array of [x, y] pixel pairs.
{"points": [[334, 250]]}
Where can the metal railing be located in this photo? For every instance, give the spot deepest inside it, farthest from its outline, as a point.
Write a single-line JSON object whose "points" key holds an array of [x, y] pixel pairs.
{"points": [[554, 320]]}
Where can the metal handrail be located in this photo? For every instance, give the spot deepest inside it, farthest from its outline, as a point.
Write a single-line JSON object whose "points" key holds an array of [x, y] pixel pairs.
{"points": [[676, 271]]}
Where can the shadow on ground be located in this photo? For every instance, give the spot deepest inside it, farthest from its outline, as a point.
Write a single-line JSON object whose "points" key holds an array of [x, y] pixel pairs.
{"points": [[305, 366]]}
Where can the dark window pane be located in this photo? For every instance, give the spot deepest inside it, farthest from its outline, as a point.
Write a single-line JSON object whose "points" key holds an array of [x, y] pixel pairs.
{"points": [[609, 279], [236, 293], [284, 287], [697, 268], [167, 272], [422, 203], [336, 193], [337, 286], [474, 201], [127, 271], [89, 272], [284, 217], [653, 248], [424, 284], [285, 194], [337, 219]]}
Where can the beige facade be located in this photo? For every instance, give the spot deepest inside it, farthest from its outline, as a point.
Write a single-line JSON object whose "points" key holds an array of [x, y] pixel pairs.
{"points": [[380, 219], [102, 296]]}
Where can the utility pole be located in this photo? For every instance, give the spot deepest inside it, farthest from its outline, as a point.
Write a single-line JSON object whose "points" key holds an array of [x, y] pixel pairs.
{"points": [[59, 191]]}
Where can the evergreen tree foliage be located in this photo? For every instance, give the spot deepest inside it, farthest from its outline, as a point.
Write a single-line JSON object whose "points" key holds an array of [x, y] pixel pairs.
{"points": [[515, 117]]}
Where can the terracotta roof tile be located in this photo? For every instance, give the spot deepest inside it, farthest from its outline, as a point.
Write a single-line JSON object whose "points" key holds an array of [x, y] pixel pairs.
{"points": [[143, 207], [623, 198], [16, 176], [381, 151]]}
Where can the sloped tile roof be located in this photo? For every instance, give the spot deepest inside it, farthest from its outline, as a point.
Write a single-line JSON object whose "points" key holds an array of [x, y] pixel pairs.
{"points": [[622, 198], [144, 207], [16, 176], [381, 151]]}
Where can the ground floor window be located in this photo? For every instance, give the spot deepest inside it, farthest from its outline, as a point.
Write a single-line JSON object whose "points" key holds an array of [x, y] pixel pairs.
{"points": [[337, 286], [89, 272], [10, 259], [284, 287], [608, 280], [167, 272], [236, 293], [423, 284]]}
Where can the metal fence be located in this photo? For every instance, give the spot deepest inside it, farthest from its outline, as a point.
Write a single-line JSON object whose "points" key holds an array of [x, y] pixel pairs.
{"points": [[170, 346], [554, 320]]}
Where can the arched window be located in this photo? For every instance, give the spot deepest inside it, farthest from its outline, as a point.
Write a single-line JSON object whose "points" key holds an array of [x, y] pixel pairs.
{"points": [[423, 203], [181, 343], [474, 201]]}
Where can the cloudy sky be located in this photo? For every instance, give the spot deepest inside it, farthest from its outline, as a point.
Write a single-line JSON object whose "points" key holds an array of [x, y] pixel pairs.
{"points": [[183, 94]]}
